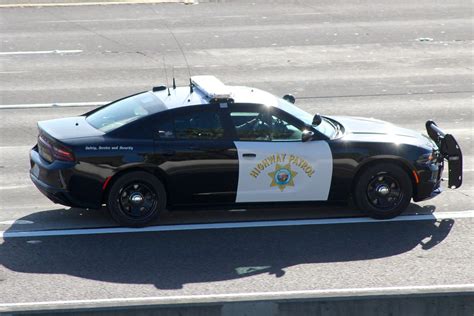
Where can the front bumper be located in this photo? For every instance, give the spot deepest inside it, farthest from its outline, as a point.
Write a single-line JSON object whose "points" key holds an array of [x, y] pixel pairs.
{"points": [[429, 185]]}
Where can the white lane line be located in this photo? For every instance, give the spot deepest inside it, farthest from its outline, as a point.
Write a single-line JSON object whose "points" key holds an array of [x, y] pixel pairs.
{"points": [[240, 297], [16, 222], [71, 4], [103, 20], [52, 105], [16, 147], [13, 72], [253, 224], [40, 52], [13, 187]]}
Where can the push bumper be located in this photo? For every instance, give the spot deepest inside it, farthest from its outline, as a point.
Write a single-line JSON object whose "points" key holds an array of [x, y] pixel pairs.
{"points": [[429, 185], [450, 150]]}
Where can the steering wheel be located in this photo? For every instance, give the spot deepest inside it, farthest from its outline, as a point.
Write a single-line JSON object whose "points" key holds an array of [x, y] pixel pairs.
{"points": [[260, 123]]}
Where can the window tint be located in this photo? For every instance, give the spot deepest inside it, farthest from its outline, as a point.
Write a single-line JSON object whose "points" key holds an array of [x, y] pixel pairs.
{"points": [[251, 125], [283, 131], [325, 127], [125, 111], [198, 125], [262, 127]]}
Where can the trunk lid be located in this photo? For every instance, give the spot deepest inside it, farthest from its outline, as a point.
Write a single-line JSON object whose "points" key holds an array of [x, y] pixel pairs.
{"points": [[53, 136], [68, 128]]}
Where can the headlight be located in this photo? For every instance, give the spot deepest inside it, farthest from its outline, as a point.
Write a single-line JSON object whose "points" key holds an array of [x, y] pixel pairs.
{"points": [[429, 158]]}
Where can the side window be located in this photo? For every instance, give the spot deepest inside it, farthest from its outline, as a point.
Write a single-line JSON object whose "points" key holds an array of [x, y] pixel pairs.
{"points": [[284, 131], [251, 125], [197, 125], [263, 126]]}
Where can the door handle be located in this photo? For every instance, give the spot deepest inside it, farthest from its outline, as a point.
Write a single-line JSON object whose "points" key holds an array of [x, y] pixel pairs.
{"points": [[168, 153], [249, 155]]}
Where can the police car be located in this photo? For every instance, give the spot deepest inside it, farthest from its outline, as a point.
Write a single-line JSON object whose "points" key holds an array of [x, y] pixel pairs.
{"points": [[210, 144]]}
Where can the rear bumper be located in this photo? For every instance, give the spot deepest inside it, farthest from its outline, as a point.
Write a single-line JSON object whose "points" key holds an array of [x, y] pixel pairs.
{"points": [[56, 195], [53, 181]]}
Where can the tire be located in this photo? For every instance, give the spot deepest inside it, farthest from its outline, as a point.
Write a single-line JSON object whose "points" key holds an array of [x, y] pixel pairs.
{"points": [[136, 199], [384, 190]]}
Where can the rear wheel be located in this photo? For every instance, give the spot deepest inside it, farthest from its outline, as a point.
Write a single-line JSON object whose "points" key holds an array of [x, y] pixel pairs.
{"points": [[136, 199], [384, 190]]}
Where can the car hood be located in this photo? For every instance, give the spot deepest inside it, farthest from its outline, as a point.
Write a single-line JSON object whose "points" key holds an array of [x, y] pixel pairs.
{"points": [[69, 128], [368, 129]]}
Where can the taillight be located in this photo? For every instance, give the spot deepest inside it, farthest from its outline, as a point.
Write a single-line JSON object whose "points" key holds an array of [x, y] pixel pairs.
{"points": [[51, 150], [62, 153]]}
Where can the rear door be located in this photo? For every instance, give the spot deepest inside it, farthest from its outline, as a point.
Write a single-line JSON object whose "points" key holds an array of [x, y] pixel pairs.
{"points": [[198, 156], [274, 164]]}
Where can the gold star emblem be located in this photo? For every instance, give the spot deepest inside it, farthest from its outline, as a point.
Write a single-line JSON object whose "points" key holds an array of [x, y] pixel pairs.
{"points": [[282, 176]]}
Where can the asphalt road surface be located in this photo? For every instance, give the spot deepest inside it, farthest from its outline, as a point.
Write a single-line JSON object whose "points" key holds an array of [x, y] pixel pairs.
{"points": [[402, 61]]}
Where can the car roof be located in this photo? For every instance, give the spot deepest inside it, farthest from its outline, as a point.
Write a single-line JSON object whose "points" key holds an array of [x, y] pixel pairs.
{"points": [[216, 90]]}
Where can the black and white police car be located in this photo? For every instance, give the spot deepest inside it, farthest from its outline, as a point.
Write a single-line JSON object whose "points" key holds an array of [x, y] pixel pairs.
{"points": [[209, 144]]}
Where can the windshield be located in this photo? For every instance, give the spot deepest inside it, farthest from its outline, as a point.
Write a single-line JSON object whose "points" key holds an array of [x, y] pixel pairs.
{"points": [[325, 127], [125, 111]]}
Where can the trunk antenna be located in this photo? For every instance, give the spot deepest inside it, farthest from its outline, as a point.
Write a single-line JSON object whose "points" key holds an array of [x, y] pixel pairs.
{"points": [[166, 75]]}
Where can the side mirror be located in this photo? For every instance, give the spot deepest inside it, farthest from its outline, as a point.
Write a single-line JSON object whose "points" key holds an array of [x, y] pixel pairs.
{"points": [[307, 135], [317, 119], [289, 98]]}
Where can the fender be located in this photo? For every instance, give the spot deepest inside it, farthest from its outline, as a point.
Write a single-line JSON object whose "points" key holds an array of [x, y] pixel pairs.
{"points": [[150, 168]]}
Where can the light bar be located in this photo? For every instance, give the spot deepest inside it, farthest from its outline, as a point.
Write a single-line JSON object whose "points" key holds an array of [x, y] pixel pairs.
{"points": [[212, 87]]}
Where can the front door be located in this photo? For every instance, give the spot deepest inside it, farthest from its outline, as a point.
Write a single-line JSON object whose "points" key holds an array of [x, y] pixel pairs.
{"points": [[274, 164], [197, 156]]}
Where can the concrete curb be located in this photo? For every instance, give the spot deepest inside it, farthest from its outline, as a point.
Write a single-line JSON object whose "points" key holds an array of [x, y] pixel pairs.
{"points": [[458, 299]]}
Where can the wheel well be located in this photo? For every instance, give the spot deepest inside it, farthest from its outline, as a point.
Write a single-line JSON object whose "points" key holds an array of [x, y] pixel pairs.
{"points": [[399, 163], [154, 171]]}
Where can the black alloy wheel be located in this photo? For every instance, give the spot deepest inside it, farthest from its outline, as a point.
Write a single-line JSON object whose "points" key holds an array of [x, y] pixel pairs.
{"points": [[383, 190], [136, 199]]}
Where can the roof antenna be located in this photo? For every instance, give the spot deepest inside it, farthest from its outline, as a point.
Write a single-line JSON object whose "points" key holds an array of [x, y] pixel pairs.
{"points": [[179, 46], [174, 81], [166, 75], [190, 86]]}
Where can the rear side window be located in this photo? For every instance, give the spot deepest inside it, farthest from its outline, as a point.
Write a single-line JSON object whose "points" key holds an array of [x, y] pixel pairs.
{"points": [[198, 125], [195, 125], [125, 111]]}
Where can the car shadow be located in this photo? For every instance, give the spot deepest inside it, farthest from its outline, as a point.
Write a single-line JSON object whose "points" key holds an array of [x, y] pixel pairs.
{"points": [[63, 218], [169, 260]]}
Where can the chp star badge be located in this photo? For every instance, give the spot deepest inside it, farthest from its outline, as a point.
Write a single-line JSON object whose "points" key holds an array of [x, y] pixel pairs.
{"points": [[282, 176]]}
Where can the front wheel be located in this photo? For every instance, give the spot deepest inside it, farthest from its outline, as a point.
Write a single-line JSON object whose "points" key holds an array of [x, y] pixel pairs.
{"points": [[384, 190], [136, 199]]}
